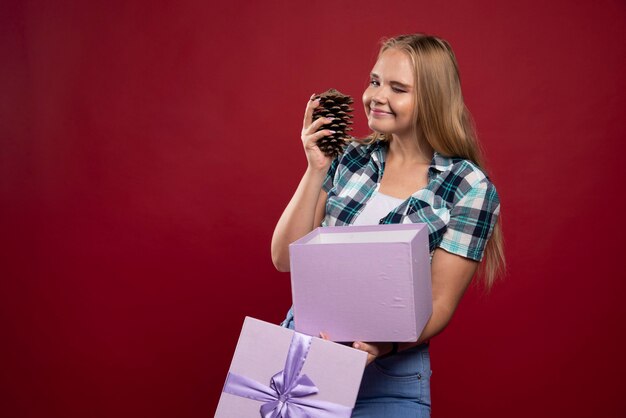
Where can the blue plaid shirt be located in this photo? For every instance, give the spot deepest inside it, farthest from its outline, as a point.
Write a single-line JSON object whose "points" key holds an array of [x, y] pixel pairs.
{"points": [[459, 204]]}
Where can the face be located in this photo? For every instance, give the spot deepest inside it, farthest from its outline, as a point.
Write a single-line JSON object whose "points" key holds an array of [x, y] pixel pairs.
{"points": [[389, 99]]}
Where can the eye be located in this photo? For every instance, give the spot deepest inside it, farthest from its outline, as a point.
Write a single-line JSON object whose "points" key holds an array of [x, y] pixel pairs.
{"points": [[398, 90], [374, 83]]}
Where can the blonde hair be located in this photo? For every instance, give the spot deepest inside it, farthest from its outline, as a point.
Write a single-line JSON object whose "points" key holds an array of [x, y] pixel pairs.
{"points": [[443, 118]]}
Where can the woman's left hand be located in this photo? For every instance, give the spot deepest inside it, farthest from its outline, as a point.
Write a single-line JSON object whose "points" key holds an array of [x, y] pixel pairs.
{"points": [[373, 350]]}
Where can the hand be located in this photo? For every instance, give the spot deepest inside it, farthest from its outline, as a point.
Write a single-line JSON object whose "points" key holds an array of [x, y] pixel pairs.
{"points": [[373, 350], [316, 158]]}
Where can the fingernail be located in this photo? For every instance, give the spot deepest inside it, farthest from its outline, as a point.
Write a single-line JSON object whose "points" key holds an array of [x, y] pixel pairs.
{"points": [[356, 345], [332, 132]]}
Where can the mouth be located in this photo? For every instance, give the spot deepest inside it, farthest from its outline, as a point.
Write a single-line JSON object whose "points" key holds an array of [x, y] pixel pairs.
{"points": [[379, 112]]}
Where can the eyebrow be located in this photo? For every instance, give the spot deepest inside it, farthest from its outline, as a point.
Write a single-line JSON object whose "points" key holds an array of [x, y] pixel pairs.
{"points": [[395, 83]]}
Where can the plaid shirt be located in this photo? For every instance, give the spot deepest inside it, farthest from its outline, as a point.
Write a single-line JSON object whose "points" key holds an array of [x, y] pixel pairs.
{"points": [[460, 205]]}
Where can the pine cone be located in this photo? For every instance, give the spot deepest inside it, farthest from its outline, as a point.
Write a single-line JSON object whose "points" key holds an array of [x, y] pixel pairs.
{"points": [[334, 104]]}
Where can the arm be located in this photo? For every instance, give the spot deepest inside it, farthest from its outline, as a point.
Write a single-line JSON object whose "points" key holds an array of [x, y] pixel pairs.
{"points": [[451, 275], [306, 210]]}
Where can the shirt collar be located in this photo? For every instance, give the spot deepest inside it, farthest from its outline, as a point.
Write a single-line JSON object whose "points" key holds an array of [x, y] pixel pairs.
{"points": [[439, 162]]}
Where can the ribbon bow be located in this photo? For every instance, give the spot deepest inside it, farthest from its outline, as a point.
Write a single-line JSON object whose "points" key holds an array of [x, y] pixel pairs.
{"points": [[286, 396]]}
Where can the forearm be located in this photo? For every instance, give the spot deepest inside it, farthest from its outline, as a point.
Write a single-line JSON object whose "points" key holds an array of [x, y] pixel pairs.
{"points": [[298, 218], [451, 275], [438, 321]]}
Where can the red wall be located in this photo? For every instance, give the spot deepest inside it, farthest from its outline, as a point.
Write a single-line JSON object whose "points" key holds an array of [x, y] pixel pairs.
{"points": [[148, 148]]}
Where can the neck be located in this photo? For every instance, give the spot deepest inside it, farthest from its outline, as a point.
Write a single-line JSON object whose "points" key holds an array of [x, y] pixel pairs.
{"points": [[410, 148]]}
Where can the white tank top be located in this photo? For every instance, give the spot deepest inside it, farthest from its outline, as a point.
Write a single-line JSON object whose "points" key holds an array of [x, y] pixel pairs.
{"points": [[376, 208]]}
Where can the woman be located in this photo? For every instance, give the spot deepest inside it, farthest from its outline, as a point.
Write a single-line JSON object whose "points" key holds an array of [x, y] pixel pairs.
{"points": [[421, 164]]}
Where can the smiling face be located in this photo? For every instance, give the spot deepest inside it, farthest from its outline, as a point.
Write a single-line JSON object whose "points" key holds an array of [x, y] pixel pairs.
{"points": [[389, 99]]}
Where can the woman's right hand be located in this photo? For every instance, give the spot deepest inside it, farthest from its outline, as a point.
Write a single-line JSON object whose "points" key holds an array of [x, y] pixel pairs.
{"points": [[306, 208], [317, 159]]}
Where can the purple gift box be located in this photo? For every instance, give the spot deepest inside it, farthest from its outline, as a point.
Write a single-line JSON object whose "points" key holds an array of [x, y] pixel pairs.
{"points": [[276, 372], [362, 283]]}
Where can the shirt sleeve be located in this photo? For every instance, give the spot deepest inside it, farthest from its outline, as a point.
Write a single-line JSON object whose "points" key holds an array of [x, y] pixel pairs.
{"points": [[472, 220], [329, 181]]}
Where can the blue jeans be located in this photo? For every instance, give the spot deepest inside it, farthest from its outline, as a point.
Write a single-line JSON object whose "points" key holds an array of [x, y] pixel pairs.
{"points": [[397, 386], [394, 387]]}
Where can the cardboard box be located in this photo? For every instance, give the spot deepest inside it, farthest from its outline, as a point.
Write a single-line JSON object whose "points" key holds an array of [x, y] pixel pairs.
{"points": [[362, 283], [267, 352]]}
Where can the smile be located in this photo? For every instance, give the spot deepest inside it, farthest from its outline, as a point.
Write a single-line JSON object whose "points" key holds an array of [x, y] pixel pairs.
{"points": [[380, 113]]}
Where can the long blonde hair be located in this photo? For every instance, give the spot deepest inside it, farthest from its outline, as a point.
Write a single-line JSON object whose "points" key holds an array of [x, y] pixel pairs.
{"points": [[443, 118]]}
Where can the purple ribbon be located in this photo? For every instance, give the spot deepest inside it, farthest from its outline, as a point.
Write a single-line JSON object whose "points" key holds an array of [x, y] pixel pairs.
{"points": [[286, 396]]}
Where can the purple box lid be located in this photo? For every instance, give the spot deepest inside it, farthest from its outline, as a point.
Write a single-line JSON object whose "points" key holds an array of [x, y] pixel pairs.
{"points": [[261, 352], [362, 283]]}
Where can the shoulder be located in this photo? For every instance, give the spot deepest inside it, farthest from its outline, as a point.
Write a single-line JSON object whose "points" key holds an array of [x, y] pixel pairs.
{"points": [[459, 177], [474, 208], [359, 153], [358, 147], [356, 157]]}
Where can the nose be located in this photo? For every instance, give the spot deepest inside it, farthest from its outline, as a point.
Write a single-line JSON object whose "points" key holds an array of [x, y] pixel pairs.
{"points": [[379, 97]]}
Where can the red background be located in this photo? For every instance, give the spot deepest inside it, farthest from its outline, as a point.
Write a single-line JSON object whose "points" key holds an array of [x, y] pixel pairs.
{"points": [[149, 147]]}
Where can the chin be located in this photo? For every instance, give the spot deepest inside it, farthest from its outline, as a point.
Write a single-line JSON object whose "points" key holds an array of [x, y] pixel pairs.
{"points": [[377, 128]]}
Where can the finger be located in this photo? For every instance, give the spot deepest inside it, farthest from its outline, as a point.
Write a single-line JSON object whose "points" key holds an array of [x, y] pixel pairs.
{"points": [[368, 348], [360, 345], [324, 336], [317, 135], [308, 113], [372, 353], [317, 124]]}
